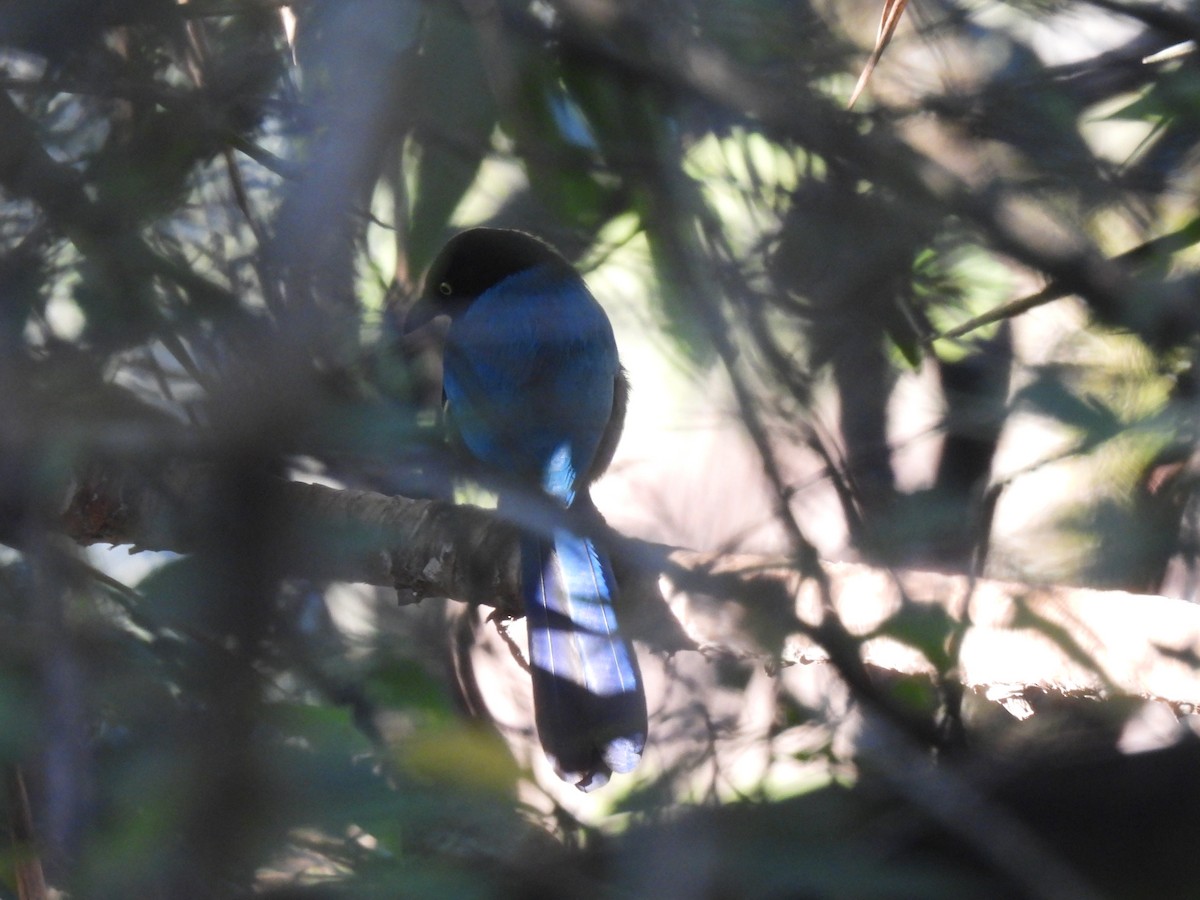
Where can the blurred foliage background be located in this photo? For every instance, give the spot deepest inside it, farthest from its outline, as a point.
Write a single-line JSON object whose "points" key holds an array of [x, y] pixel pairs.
{"points": [[954, 328]]}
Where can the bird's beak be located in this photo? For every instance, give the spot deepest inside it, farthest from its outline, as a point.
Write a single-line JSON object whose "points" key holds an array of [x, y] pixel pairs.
{"points": [[421, 313]]}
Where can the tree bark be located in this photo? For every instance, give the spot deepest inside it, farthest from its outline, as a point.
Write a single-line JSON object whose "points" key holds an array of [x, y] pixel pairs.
{"points": [[1012, 638]]}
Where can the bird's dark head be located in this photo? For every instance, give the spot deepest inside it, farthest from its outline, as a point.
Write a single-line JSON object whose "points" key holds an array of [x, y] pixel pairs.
{"points": [[475, 261]]}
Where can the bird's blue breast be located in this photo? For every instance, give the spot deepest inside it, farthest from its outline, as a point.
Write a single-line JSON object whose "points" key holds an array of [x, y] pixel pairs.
{"points": [[529, 373]]}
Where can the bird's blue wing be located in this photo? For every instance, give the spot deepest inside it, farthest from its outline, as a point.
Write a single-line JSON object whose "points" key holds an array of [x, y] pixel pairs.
{"points": [[529, 375]]}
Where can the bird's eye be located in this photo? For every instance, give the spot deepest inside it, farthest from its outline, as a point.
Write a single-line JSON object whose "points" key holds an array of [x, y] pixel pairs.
{"points": [[445, 289]]}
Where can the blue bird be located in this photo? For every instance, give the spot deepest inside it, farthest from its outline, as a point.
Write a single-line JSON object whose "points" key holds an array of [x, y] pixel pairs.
{"points": [[534, 391]]}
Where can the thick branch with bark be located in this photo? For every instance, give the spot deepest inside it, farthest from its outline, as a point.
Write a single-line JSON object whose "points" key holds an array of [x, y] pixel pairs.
{"points": [[419, 547], [1015, 637]]}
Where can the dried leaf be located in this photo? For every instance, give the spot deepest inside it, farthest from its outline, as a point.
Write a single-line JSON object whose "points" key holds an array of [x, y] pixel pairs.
{"points": [[892, 11]]}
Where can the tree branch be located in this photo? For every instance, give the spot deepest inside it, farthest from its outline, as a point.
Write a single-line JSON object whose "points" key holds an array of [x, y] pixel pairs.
{"points": [[1021, 638]]}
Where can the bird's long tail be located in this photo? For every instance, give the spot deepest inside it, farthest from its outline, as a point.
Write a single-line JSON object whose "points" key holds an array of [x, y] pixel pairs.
{"points": [[587, 690]]}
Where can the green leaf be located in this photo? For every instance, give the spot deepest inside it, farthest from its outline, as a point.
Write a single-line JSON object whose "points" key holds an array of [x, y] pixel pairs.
{"points": [[1050, 395], [926, 627], [455, 117], [406, 685]]}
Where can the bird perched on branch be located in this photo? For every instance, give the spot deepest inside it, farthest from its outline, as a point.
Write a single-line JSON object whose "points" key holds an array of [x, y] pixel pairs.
{"points": [[534, 392]]}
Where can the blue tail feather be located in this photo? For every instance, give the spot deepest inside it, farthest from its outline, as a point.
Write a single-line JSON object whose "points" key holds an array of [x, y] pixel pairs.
{"points": [[588, 696]]}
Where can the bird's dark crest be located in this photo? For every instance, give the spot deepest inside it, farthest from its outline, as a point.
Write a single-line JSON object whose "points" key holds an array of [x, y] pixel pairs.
{"points": [[478, 259], [474, 261]]}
